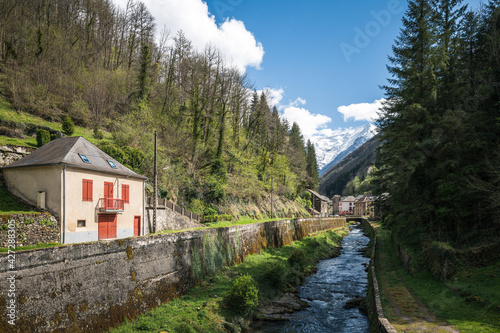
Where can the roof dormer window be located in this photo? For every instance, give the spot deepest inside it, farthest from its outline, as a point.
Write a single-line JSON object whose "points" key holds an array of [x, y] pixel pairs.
{"points": [[112, 164], [84, 158]]}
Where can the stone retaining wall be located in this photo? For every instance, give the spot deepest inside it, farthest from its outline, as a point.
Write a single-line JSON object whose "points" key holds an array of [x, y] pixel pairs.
{"points": [[31, 229], [94, 286], [378, 322]]}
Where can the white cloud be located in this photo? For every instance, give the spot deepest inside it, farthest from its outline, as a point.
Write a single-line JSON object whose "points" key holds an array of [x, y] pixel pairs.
{"points": [[310, 124], [361, 111], [274, 95], [199, 26]]}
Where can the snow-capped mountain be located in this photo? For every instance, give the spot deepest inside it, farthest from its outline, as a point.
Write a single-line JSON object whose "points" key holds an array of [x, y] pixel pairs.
{"points": [[333, 145]]}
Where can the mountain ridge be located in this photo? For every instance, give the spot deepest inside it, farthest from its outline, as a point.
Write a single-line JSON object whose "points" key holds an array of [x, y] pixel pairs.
{"points": [[333, 145]]}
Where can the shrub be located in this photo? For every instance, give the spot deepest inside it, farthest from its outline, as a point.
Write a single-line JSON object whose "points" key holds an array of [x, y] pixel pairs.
{"points": [[68, 127], [214, 190], [243, 297], [216, 218], [98, 134], [297, 258], [42, 137], [275, 276]]}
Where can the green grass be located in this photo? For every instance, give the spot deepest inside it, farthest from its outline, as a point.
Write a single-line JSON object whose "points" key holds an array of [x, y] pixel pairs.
{"points": [[470, 302], [203, 308], [8, 112], [9, 204], [220, 224], [31, 247], [242, 221]]}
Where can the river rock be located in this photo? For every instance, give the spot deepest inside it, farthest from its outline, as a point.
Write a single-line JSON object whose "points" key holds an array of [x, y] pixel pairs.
{"points": [[276, 310], [358, 302]]}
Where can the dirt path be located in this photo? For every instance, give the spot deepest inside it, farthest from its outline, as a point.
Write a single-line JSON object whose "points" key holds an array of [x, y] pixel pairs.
{"points": [[401, 307]]}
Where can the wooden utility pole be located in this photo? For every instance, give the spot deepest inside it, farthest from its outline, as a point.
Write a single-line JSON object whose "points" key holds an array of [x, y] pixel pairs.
{"points": [[155, 195], [271, 196]]}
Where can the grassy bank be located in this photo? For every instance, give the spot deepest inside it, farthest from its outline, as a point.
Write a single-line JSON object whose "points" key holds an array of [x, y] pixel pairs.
{"points": [[203, 308], [7, 112], [470, 302]]}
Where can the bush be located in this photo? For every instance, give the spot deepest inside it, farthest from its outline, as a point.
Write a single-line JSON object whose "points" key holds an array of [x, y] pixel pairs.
{"points": [[244, 295], [98, 134], [275, 276], [68, 127], [42, 137], [297, 258], [216, 218], [214, 190]]}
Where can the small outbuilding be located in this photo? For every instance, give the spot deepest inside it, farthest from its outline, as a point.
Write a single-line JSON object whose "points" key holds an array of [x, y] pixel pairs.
{"points": [[91, 194], [320, 203]]}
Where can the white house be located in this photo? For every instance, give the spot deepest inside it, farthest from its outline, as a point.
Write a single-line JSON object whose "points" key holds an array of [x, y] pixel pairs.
{"points": [[92, 195]]}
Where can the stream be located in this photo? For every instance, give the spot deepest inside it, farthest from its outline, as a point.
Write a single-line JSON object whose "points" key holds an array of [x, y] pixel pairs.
{"points": [[337, 281]]}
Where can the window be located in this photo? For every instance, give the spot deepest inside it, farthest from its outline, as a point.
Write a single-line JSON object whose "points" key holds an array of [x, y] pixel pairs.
{"points": [[112, 164], [80, 223], [84, 158], [125, 193], [87, 187]]}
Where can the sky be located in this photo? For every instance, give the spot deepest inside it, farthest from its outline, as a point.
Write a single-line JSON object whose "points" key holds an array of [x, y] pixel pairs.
{"points": [[321, 62]]}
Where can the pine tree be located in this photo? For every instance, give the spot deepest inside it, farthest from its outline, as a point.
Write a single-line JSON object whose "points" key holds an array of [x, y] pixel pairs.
{"points": [[408, 121], [312, 166]]}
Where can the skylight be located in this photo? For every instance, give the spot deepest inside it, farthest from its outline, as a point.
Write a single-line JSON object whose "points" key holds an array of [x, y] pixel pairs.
{"points": [[112, 164], [84, 158]]}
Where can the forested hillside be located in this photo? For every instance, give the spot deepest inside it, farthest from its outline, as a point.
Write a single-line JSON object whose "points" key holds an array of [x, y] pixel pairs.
{"points": [[347, 176], [440, 129], [220, 143]]}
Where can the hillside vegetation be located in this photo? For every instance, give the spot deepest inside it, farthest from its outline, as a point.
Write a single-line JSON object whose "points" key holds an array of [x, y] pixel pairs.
{"points": [[347, 176], [219, 141]]}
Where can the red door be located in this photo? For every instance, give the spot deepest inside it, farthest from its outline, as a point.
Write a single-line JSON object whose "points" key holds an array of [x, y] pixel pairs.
{"points": [[107, 226], [137, 225]]}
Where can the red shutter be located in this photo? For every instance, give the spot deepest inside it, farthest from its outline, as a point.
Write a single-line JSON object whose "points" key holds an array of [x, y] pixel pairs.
{"points": [[125, 193], [108, 190], [87, 190]]}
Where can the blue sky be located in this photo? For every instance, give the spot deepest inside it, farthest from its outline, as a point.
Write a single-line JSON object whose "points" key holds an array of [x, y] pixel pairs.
{"points": [[315, 56]]}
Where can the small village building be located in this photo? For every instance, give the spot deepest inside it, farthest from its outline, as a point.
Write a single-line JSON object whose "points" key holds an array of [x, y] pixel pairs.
{"points": [[91, 194], [358, 205], [320, 204], [335, 204], [346, 205], [362, 205]]}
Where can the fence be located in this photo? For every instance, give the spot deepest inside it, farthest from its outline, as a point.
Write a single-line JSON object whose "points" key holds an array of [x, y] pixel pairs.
{"points": [[164, 204]]}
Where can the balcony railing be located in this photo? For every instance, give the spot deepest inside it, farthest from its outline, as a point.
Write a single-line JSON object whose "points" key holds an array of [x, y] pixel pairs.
{"points": [[111, 205]]}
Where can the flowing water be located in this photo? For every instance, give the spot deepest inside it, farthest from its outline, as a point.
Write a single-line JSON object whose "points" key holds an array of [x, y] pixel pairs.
{"points": [[337, 281]]}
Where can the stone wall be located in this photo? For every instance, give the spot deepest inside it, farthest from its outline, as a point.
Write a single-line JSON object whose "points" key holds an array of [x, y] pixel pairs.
{"points": [[378, 323], [94, 286], [168, 219], [11, 153], [31, 229]]}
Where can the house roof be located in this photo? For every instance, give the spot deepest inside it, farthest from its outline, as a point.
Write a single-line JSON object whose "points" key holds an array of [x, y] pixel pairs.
{"points": [[349, 198], [68, 151], [321, 197]]}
